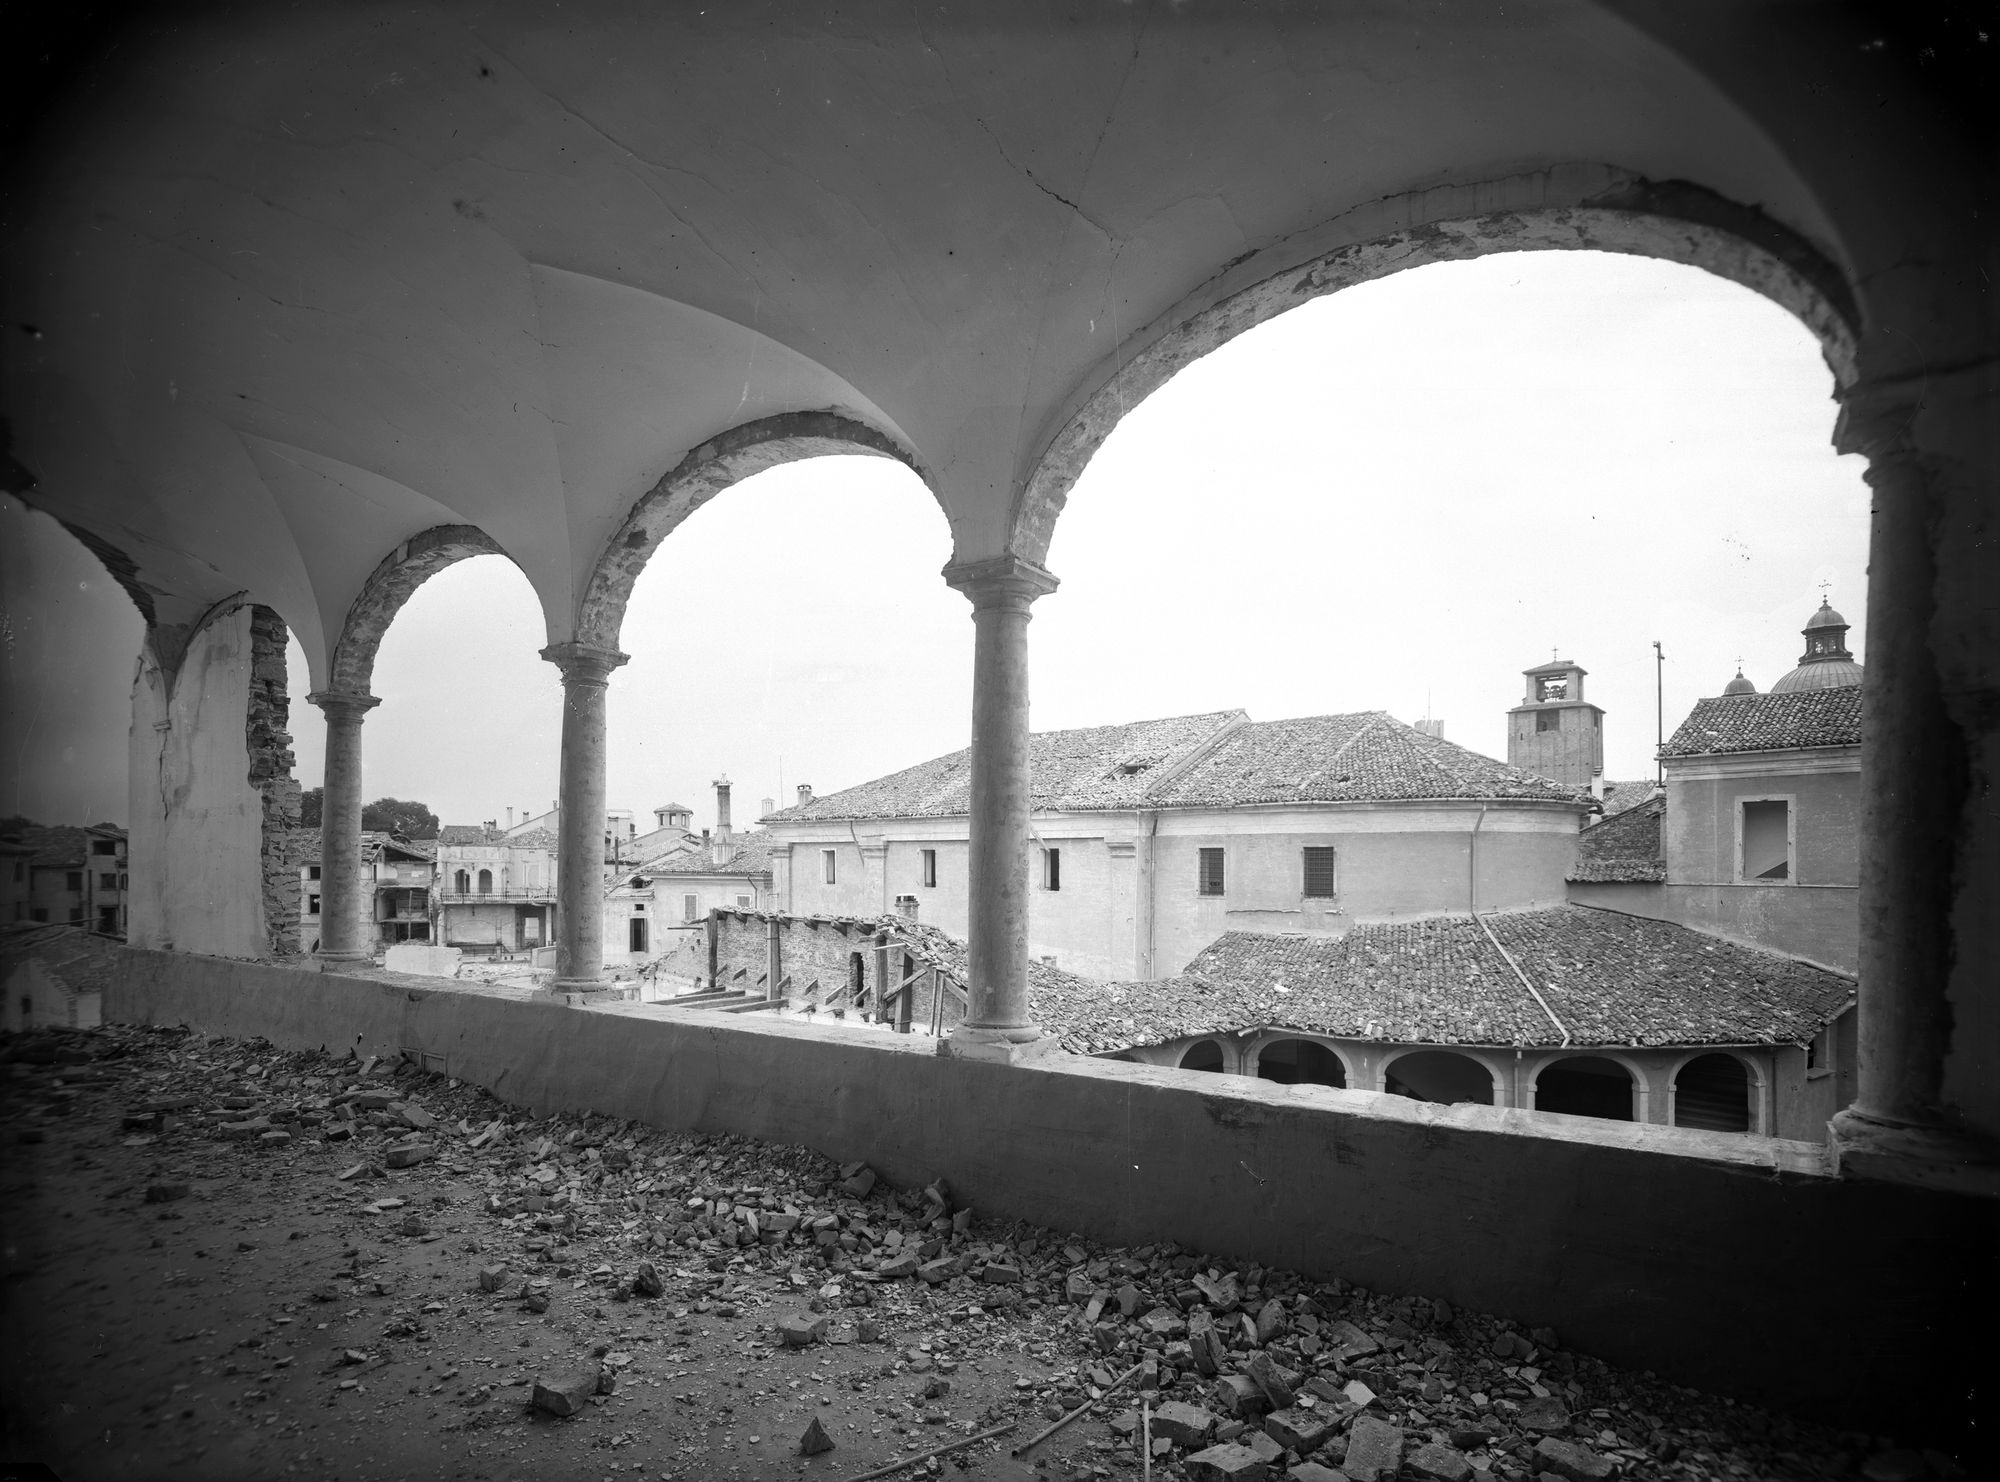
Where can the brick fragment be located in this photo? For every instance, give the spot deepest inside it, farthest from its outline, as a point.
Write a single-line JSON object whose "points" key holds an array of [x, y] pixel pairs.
{"points": [[1228, 1462], [491, 1278], [1347, 1341], [802, 1329], [938, 1271], [815, 1440], [858, 1186], [1277, 1386], [646, 1280], [1545, 1415], [1271, 1320], [1237, 1396], [1567, 1459], [1374, 1450], [1205, 1344], [904, 1264], [1183, 1424], [408, 1154], [1297, 1429], [1435, 1463], [1312, 1471], [564, 1394], [994, 1273]]}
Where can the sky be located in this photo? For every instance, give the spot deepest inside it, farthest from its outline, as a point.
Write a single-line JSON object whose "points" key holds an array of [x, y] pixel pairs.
{"points": [[1394, 498]]}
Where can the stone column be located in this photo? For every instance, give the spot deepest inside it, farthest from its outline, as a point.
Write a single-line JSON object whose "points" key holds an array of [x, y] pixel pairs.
{"points": [[586, 671], [996, 1022], [340, 893], [1922, 438]]}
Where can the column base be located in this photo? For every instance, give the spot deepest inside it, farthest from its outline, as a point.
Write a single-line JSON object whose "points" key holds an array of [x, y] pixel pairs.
{"points": [[338, 962], [1019, 1045], [1921, 1155]]}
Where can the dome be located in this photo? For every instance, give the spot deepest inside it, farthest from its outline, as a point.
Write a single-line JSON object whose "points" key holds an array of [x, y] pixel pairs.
{"points": [[1826, 664], [1739, 685], [1821, 674]]}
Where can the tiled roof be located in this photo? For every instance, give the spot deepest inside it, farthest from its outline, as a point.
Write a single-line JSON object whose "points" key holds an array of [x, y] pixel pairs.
{"points": [[1344, 758], [470, 833], [1611, 979], [1204, 761], [1618, 796], [57, 846], [1096, 767], [1623, 846], [1727, 723], [691, 856]]}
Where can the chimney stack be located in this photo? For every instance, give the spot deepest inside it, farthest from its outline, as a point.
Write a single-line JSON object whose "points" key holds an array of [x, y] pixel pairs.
{"points": [[510, 818], [724, 845], [766, 807], [906, 907], [805, 793]]}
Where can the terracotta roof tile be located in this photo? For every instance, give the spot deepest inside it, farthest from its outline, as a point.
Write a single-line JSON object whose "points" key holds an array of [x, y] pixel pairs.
{"points": [[1623, 846], [1201, 761], [1726, 723]]}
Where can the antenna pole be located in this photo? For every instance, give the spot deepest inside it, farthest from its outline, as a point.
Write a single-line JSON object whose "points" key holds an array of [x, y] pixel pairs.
{"points": [[1659, 713]]}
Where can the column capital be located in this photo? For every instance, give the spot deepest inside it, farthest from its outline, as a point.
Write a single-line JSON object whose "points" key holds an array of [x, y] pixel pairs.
{"points": [[584, 663], [343, 704], [1001, 579]]}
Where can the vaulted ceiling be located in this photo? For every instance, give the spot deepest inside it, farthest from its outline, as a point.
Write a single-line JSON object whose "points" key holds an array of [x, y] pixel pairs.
{"points": [[306, 281]]}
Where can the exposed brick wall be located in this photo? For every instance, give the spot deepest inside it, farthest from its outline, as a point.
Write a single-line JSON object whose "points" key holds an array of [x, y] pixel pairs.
{"points": [[816, 953], [269, 743]]}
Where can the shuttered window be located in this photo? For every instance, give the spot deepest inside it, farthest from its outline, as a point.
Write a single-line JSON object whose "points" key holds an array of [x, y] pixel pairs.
{"points": [[1210, 881], [930, 868], [1319, 872], [827, 866], [1052, 869]]}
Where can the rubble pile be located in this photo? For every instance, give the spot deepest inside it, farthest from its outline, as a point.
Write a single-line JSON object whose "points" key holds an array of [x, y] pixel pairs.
{"points": [[695, 1286]]}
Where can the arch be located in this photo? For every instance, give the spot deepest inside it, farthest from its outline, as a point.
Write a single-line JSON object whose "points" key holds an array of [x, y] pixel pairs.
{"points": [[1298, 1061], [1717, 1092], [1576, 207], [486, 882], [392, 583], [1445, 1076], [1205, 1054], [704, 473], [461, 883], [1588, 1086]]}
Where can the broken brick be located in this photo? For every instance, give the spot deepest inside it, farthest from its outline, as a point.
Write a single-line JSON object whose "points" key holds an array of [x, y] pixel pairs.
{"points": [[1183, 1424], [1374, 1450], [1566, 1459], [1297, 1429], [646, 1281], [801, 1330], [1435, 1463], [564, 1394], [815, 1440], [1228, 1462]]}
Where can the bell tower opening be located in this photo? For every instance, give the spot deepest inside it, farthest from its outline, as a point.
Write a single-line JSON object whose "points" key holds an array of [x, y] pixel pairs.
{"points": [[1554, 732]]}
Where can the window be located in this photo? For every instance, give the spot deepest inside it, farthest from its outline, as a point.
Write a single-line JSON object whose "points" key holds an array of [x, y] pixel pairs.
{"points": [[1052, 869], [103, 846], [1210, 872], [460, 882], [1819, 1054], [486, 882], [1319, 872], [107, 918], [122, 883], [930, 868], [312, 872], [826, 866], [1548, 720], [1766, 840], [743, 901], [107, 881], [39, 913], [637, 939], [312, 905], [1552, 689], [690, 907], [75, 879]]}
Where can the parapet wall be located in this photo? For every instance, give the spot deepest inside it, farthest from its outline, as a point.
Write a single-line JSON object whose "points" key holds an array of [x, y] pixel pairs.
{"points": [[1718, 1261]]}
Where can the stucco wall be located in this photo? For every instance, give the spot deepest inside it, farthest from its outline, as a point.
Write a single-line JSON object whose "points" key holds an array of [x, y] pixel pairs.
{"points": [[1817, 923], [197, 830], [1699, 833], [1841, 1297]]}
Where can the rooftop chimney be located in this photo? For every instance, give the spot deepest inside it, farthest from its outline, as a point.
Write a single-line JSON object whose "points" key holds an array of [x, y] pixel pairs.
{"points": [[1431, 726], [510, 818], [766, 807], [805, 793], [906, 907], [724, 846]]}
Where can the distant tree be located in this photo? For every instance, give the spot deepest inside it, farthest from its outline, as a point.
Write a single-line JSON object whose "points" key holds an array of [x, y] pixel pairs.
{"points": [[309, 807], [395, 816]]}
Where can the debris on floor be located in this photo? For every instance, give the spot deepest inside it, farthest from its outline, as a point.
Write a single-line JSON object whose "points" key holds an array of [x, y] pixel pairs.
{"points": [[362, 1268]]}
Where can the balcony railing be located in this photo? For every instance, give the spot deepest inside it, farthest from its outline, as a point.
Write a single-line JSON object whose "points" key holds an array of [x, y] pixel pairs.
{"points": [[497, 898]]}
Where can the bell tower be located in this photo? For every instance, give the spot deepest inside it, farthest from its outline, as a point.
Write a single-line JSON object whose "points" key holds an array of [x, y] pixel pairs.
{"points": [[1554, 732]]}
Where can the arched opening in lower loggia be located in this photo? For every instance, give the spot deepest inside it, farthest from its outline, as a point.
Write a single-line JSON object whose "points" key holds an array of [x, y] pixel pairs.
{"points": [[1293, 1062], [1587, 1086], [1204, 1055], [1712, 1094], [1443, 1076]]}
